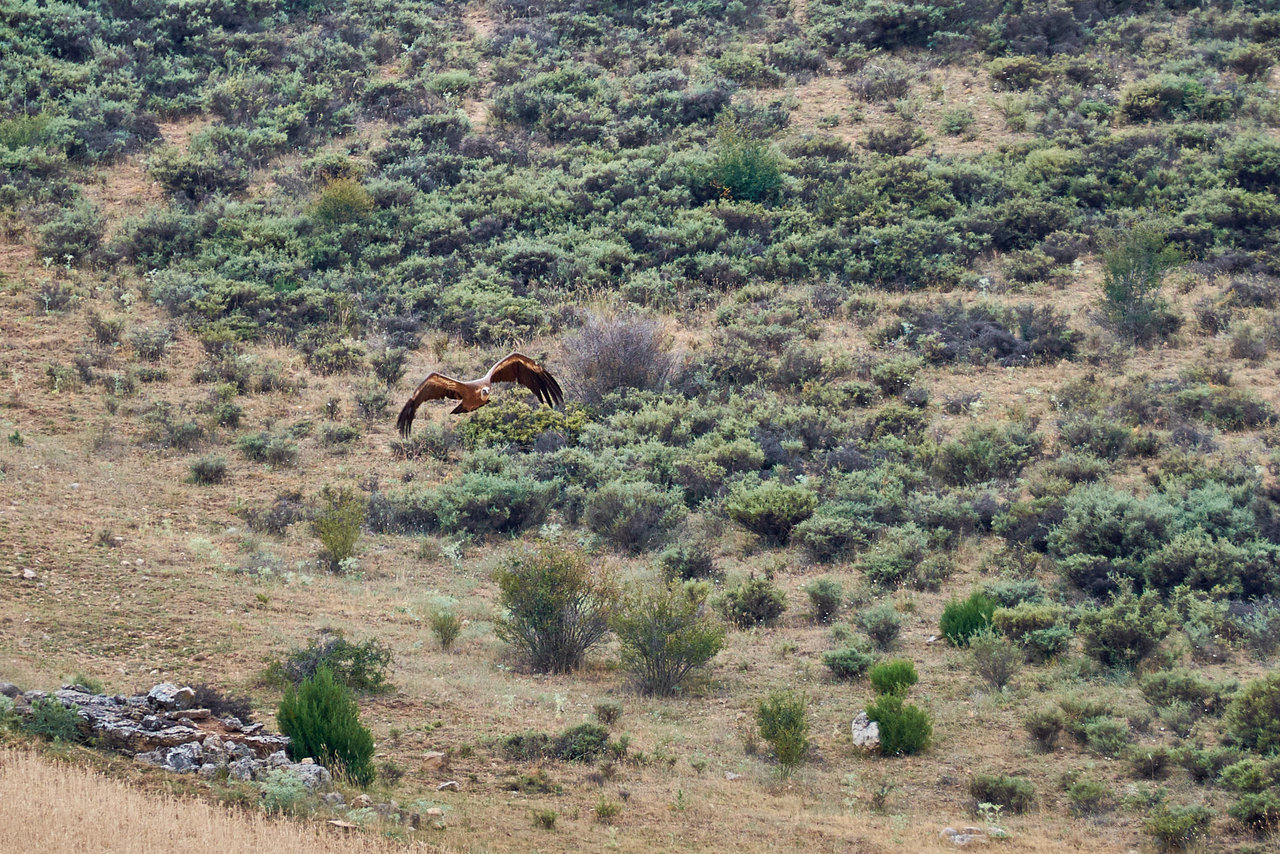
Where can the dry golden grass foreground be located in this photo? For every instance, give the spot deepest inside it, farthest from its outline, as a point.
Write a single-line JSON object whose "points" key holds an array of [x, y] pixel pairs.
{"points": [[53, 806]]}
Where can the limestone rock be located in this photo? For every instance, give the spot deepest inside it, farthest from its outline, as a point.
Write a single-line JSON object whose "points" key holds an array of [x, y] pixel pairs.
{"points": [[333, 799], [166, 695], [450, 784], [361, 801], [968, 837], [10, 690], [866, 733], [434, 760], [314, 777], [185, 757]]}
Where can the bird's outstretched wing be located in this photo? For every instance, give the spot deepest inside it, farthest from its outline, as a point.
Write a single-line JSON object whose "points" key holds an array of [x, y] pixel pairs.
{"points": [[434, 387], [518, 368]]}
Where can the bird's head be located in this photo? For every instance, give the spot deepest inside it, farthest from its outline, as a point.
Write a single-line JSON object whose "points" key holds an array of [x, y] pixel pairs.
{"points": [[484, 392]]}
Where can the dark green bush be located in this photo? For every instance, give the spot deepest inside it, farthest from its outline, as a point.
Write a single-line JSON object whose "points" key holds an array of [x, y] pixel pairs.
{"points": [[785, 726], [322, 721], [1258, 811], [771, 509], [359, 666], [904, 729], [208, 470], [984, 453], [742, 167], [1125, 631], [1017, 794], [1176, 828], [755, 602], [634, 516], [827, 538], [1040, 630], [343, 200], [1165, 687], [848, 663], [53, 720], [276, 451], [75, 236], [556, 607], [666, 634], [961, 620], [688, 560], [582, 743], [893, 677], [1044, 725], [825, 594], [1253, 718], [475, 503], [1089, 798]]}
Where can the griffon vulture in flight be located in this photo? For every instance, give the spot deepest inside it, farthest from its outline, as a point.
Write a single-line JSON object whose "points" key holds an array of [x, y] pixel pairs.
{"points": [[516, 368]]}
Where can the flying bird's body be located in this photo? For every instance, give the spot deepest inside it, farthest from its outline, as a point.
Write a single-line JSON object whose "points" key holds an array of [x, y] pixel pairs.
{"points": [[516, 368]]}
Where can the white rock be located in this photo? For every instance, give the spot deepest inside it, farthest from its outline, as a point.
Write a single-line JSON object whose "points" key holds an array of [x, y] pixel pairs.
{"points": [[866, 732]]}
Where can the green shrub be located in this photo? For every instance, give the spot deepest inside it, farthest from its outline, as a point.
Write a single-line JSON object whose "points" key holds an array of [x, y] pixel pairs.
{"points": [[1258, 811], [76, 234], [618, 352], [771, 509], [1044, 725], [1133, 272], [665, 634], [1253, 718], [1165, 687], [582, 743], [343, 200], [634, 516], [51, 719], [151, 342], [893, 677], [1017, 794], [208, 470], [1039, 629], [1125, 631], [904, 729], [984, 453], [446, 626], [957, 121], [359, 666], [897, 557], [757, 601], [826, 595], [283, 793], [556, 607], [962, 620], [995, 659], [688, 561], [827, 538], [475, 503], [742, 167], [322, 721], [785, 726], [1149, 761], [847, 663], [882, 623], [1176, 828], [894, 376], [1107, 736], [337, 524], [1087, 797], [276, 451]]}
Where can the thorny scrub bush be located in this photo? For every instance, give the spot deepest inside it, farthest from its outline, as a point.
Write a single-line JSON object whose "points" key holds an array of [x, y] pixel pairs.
{"points": [[848, 663], [634, 516], [771, 509], [757, 601], [1134, 271], [1017, 794], [556, 607], [666, 633], [359, 666], [826, 595], [1253, 719], [337, 524], [619, 352]]}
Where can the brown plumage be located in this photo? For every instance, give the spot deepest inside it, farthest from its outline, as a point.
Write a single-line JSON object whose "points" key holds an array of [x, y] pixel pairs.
{"points": [[516, 368]]}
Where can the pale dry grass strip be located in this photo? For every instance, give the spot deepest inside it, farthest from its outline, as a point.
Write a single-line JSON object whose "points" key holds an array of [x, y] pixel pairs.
{"points": [[52, 806]]}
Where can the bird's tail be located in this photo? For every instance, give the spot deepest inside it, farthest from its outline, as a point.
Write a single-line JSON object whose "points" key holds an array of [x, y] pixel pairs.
{"points": [[405, 422]]}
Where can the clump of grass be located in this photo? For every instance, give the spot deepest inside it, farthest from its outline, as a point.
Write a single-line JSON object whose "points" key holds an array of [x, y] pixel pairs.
{"points": [[446, 626], [785, 726]]}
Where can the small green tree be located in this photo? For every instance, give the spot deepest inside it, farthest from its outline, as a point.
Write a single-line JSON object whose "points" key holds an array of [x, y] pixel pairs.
{"points": [[743, 167], [1133, 272], [666, 633], [904, 727], [893, 677], [785, 727], [322, 721], [556, 607], [338, 524]]}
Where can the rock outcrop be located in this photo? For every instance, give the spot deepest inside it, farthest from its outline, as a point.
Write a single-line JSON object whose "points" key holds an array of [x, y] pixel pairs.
{"points": [[162, 728]]}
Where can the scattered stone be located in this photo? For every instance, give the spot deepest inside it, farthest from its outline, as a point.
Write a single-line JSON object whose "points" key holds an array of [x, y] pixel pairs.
{"points": [[969, 836], [433, 812], [411, 819], [29, 574], [729, 775], [866, 733], [434, 760], [185, 757], [333, 799], [10, 690], [361, 801], [383, 810], [306, 761], [451, 784], [314, 777], [343, 825]]}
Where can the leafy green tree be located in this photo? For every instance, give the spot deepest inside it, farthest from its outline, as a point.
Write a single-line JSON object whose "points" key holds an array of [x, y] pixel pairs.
{"points": [[322, 721]]}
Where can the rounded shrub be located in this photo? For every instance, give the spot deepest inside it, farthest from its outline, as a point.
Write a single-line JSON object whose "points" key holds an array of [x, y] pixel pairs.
{"points": [[1175, 828], [1253, 718], [847, 663], [1017, 794], [893, 677], [634, 516], [825, 594], [665, 634], [771, 509], [758, 601]]}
